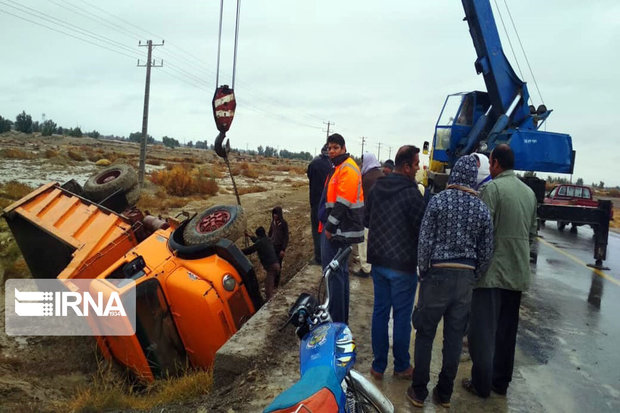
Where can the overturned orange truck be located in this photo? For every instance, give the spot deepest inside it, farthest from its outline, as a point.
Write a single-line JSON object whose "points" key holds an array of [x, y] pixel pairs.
{"points": [[191, 297]]}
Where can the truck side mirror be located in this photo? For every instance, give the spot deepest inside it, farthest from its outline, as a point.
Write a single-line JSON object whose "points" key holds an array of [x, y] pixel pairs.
{"points": [[425, 148]]}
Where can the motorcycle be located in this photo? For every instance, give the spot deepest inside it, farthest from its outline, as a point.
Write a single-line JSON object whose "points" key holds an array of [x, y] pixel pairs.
{"points": [[327, 352]]}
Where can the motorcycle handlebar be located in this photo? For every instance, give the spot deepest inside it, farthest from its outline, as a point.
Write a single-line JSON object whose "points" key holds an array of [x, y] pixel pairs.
{"points": [[341, 255]]}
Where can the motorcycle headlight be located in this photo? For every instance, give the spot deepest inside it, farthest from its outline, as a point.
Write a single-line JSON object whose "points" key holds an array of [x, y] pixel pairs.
{"points": [[229, 282]]}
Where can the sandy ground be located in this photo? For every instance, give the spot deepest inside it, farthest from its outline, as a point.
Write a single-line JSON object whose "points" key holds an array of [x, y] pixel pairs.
{"points": [[35, 372]]}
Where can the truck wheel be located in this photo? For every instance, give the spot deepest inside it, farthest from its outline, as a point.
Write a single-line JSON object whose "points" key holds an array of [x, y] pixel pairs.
{"points": [[220, 221], [561, 225], [111, 179]]}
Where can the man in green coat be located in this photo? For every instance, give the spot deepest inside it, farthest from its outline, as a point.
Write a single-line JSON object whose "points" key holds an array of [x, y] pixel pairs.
{"points": [[497, 295]]}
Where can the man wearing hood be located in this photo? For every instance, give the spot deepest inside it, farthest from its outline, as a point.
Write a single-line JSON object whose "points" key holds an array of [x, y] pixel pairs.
{"points": [[394, 210], [341, 215], [278, 233], [317, 173], [371, 171], [455, 249]]}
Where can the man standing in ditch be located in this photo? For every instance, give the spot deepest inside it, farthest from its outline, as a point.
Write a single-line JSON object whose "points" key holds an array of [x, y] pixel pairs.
{"points": [[341, 213], [393, 212], [497, 295]]}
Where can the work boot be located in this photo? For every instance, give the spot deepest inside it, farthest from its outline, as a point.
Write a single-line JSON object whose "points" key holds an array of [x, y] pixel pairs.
{"points": [[413, 398]]}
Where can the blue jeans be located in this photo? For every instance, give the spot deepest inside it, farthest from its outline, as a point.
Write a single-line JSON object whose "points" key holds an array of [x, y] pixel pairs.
{"points": [[338, 281], [394, 290]]}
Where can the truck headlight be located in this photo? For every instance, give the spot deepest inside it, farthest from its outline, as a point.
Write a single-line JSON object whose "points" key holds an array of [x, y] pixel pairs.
{"points": [[229, 282]]}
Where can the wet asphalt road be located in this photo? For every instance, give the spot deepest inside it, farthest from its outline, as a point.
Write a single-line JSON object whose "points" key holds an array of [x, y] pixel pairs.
{"points": [[569, 335]]}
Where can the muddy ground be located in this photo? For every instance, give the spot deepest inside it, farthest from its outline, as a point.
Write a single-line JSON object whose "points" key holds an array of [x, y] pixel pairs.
{"points": [[40, 373]]}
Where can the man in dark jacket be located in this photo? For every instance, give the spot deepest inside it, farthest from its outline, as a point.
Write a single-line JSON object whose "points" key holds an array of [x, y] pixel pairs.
{"points": [[317, 173], [455, 247], [393, 214], [278, 233], [267, 256]]}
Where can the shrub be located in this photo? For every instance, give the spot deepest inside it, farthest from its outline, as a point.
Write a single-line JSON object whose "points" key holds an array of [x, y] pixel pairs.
{"points": [[251, 189], [50, 153], [14, 190], [75, 155], [180, 181], [614, 193], [14, 153]]}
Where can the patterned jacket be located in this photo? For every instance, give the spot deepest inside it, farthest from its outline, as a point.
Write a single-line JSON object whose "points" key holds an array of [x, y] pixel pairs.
{"points": [[457, 226], [394, 209]]}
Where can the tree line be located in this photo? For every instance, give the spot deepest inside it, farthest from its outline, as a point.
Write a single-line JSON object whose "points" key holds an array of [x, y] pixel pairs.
{"points": [[24, 123]]}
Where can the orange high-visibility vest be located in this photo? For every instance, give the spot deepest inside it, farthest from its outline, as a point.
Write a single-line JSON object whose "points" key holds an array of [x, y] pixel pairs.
{"points": [[344, 203]]}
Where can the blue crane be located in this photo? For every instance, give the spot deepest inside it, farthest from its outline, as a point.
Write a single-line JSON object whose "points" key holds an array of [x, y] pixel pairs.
{"points": [[478, 121]]}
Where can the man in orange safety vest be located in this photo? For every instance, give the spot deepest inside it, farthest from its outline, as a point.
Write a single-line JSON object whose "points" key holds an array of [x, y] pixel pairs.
{"points": [[341, 214]]}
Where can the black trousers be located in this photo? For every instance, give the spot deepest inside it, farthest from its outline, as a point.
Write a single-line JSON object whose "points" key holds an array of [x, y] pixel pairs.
{"points": [[493, 325], [444, 292], [316, 236]]}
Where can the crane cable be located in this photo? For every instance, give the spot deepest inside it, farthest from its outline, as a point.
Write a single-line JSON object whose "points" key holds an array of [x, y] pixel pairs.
{"points": [[524, 54], [224, 103]]}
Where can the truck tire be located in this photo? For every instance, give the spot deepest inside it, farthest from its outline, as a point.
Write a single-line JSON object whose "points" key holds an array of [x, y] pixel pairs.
{"points": [[561, 225], [215, 223], [109, 180]]}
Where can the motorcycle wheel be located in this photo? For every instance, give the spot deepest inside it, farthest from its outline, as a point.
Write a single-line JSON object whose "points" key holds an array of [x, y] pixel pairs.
{"points": [[365, 397]]}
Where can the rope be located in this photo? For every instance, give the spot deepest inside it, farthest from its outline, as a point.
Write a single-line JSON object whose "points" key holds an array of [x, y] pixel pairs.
{"points": [[524, 54], [219, 47]]}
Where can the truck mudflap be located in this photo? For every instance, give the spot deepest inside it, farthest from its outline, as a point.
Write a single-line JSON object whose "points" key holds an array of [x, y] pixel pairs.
{"points": [[225, 249]]}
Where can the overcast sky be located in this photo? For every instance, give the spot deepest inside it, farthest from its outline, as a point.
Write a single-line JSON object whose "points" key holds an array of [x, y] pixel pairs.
{"points": [[379, 69]]}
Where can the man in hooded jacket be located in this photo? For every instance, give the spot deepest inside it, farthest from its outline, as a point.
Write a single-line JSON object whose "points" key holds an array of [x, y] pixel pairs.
{"points": [[454, 249], [393, 213]]}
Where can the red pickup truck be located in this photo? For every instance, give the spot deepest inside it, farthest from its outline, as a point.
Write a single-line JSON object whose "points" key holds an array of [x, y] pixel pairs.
{"points": [[573, 195]]}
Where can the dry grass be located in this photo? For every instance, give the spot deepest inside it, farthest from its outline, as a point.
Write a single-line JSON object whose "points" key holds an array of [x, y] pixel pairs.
{"points": [[111, 392], [14, 153], [50, 153], [14, 190], [614, 193], [251, 189], [75, 155], [180, 180], [16, 268]]}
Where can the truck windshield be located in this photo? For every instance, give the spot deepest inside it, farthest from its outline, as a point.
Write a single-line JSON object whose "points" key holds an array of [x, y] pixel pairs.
{"points": [[450, 110]]}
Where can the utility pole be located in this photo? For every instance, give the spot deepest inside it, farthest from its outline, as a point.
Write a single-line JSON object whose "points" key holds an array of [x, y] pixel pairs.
{"points": [[389, 152], [145, 114], [328, 123], [379, 151], [363, 142]]}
